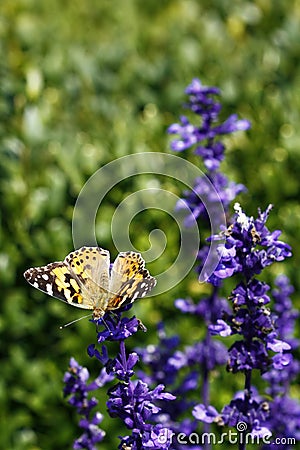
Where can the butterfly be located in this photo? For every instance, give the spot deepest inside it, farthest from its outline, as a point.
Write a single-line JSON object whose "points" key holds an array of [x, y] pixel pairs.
{"points": [[84, 279]]}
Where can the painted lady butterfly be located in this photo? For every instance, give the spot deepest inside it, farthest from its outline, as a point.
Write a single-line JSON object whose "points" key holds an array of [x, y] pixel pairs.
{"points": [[84, 279]]}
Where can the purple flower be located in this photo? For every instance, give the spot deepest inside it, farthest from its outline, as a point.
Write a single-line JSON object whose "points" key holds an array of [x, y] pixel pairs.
{"points": [[196, 90], [165, 363], [244, 356], [251, 412], [77, 387], [131, 401], [157, 438], [158, 403], [92, 433], [281, 360], [254, 293], [134, 403], [102, 356], [188, 135], [249, 246], [285, 319], [277, 345], [206, 414], [117, 328], [122, 366], [221, 328], [204, 137]]}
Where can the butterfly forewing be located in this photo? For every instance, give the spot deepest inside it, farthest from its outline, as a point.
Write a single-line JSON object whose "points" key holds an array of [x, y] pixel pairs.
{"points": [[56, 280], [90, 263]]}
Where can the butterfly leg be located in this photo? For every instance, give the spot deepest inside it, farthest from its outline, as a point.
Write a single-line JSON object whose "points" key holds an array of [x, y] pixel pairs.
{"points": [[103, 321]]}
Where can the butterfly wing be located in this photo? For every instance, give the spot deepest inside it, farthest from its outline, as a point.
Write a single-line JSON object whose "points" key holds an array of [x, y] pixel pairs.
{"points": [[57, 280], [90, 263], [80, 280], [129, 280]]}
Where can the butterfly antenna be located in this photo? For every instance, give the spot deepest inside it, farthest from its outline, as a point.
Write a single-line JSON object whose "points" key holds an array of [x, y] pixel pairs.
{"points": [[74, 321]]}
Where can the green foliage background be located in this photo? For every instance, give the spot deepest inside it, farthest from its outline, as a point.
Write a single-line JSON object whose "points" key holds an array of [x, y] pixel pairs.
{"points": [[85, 82]]}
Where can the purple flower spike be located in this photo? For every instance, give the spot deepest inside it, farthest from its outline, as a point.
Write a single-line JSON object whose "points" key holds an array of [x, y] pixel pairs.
{"points": [[204, 137], [134, 403], [77, 387], [92, 435], [225, 192]]}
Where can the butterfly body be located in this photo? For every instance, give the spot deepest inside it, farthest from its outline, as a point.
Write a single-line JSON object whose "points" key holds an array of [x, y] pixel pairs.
{"points": [[84, 279]]}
